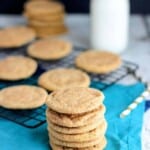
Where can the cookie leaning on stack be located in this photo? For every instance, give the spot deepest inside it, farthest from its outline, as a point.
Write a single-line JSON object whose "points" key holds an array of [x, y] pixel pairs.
{"points": [[75, 119], [45, 17]]}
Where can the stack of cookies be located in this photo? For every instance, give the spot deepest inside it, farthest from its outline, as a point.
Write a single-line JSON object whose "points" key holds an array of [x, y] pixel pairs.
{"points": [[76, 120], [45, 17]]}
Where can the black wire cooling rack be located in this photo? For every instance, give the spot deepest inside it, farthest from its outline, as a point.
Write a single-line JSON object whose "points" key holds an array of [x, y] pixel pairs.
{"points": [[36, 117]]}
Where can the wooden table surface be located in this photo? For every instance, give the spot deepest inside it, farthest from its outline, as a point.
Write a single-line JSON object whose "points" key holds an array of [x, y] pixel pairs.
{"points": [[137, 51]]}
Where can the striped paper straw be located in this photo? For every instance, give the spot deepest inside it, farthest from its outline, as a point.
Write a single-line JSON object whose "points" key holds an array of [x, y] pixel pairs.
{"points": [[133, 106]]}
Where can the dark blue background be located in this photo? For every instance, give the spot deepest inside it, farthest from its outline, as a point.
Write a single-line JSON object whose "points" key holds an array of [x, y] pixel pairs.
{"points": [[16, 6]]}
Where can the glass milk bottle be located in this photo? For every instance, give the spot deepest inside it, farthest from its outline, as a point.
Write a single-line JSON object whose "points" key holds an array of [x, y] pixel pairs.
{"points": [[109, 24]]}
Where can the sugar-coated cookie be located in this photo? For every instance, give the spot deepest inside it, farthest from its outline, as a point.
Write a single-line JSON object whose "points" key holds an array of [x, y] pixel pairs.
{"points": [[49, 49], [63, 78], [83, 137], [75, 100], [17, 68], [76, 144], [99, 146], [57, 17], [22, 97], [76, 130], [101, 62], [43, 32], [77, 120], [16, 36], [43, 7]]}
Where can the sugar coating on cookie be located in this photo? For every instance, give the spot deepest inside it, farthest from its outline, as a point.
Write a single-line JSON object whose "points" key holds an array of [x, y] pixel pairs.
{"points": [[75, 100], [50, 31], [16, 36], [38, 23], [43, 7], [17, 68], [75, 130], [98, 61], [46, 18], [63, 78], [83, 137], [22, 97], [76, 144], [77, 120], [95, 147], [49, 49]]}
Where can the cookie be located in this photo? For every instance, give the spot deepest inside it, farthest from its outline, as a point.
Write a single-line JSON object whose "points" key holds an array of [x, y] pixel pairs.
{"points": [[99, 146], [17, 68], [78, 120], [45, 35], [38, 0], [49, 49], [50, 29], [51, 34], [56, 30], [59, 17], [43, 24], [76, 144], [22, 97], [43, 7], [83, 137], [98, 61], [63, 78], [76, 100], [16, 36], [75, 130]]}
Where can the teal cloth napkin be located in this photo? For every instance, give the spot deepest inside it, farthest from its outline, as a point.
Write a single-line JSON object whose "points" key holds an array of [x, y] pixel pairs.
{"points": [[122, 134]]}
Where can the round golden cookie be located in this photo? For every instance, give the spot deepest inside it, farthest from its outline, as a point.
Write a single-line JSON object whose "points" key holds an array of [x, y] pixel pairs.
{"points": [[56, 30], [44, 24], [59, 17], [45, 35], [22, 97], [75, 100], [76, 130], [63, 78], [16, 36], [98, 61], [99, 146], [83, 137], [76, 144], [37, 0], [43, 7], [49, 29], [52, 34], [49, 49], [17, 68], [78, 120]]}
